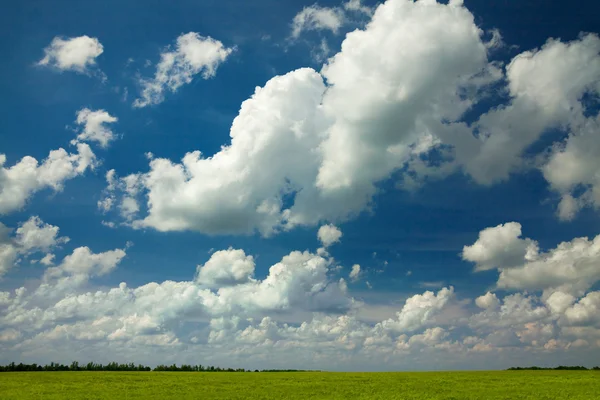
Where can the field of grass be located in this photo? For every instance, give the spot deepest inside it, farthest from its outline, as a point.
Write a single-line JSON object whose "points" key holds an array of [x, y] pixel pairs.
{"points": [[514, 385]]}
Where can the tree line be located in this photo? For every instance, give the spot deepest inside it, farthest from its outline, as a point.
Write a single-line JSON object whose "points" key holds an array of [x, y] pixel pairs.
{"points": [[113, 366], [559, 368]]}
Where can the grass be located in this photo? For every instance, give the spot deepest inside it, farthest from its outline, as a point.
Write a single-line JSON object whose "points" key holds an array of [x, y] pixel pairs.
{"points": [[513, 385]]}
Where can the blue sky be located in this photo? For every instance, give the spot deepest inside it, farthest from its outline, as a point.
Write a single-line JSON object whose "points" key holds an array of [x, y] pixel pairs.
{"points": [[501, 99]]}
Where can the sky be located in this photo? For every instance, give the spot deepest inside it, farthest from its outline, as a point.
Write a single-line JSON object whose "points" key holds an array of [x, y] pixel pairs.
{"points": [[359, 185]]}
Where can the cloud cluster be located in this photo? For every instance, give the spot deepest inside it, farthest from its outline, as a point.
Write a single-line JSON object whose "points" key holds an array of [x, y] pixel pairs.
{"points": [[419, 310], [299, 311], [28, 176], [571, 267], [193, 54], [297, 314], [20, 181], [30, 237], [573, 165], [312, 146], [547, 88]]}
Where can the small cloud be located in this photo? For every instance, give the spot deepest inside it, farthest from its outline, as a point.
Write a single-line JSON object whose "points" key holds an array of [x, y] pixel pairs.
{"points": [[357, 6], [329, 234], [95, 127], [194, 54], [321, 53], [108, 224], [431, 285], [321, 251], [48, 259], [496, 41], [316, 18], [76, 54], [355, 273]]}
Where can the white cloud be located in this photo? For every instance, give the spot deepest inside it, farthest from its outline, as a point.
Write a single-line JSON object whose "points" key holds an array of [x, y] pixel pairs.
{"points": [[371, 80], [586, 311], [430, 337], [487, 301], [194, 54], [329, 234], [95, 127], [48, 259], [8, 255], [83, 262], [356, 5], [500, 247], [298, 281], [105, 204], [128, 205], [558, 302], [543, 76], [226, 268], [574, 71], [76, 269], [317, 18], [314, 18], [72, 54], [354, 273], [573, 165], [235, 191], [568, 207], [571, 267], [19, 182], [537, 333]]}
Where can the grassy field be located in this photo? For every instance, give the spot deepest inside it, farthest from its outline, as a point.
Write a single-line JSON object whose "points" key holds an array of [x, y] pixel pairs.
{"points": [[512, 385]]}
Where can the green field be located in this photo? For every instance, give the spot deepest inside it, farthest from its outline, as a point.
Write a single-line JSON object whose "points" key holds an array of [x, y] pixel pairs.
{"points": [[512, 385]]}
